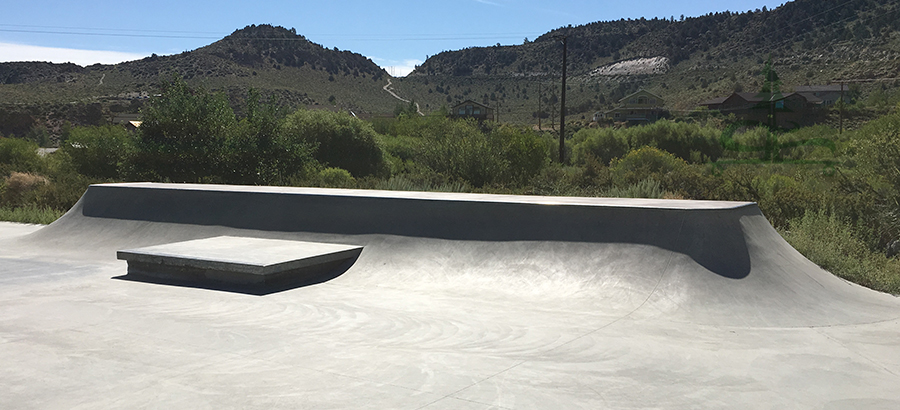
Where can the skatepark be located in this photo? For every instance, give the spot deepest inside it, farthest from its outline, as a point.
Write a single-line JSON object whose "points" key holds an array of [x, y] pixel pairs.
{"points": [[436, 301]]}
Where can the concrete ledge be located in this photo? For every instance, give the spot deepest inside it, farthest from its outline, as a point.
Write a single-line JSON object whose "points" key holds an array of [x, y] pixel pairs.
{"points": [[709, 232], [252, 264]]}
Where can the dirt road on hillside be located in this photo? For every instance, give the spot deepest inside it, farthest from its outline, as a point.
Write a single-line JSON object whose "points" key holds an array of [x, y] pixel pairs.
{"points": [[387, 88]]}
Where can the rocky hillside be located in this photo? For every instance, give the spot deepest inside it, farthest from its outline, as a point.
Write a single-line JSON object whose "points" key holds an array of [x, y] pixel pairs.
{"points": [[684, 60], [800, 25]]}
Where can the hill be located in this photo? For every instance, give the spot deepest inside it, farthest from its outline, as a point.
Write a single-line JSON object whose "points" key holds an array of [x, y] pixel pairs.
{"points": [[685, 60], [274, 60]]}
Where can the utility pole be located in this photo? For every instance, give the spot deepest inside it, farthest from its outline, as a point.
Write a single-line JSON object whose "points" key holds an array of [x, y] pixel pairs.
{"points": [[540, 109], [841, 101], [562, 106]]}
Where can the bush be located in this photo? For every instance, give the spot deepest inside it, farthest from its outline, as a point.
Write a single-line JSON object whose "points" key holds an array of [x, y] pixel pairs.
{"points": [[100, 151], [644, 163], [461, 150], [648, 188], [17, 186], [688, 141], [18, 155], [30, 215], [336, 178], [339, 140], [559, 180], [182, 135], [402, 183], [257, 152], [525, 151], [604, 144], [836, 246], [873, 174]]}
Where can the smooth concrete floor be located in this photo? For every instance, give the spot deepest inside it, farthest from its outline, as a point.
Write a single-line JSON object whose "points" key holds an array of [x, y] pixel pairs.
{"points": [[71, 337]]}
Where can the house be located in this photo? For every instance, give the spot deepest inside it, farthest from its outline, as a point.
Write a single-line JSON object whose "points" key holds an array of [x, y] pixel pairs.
{"points": [[472, 109], [640, 107], [829, 94], [129, 121], [791, 110]]}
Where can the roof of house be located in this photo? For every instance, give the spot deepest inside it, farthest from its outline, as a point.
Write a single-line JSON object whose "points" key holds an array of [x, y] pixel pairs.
{"points": [[714, 101], [818, 88], [639, 92], [467, 102], [810, 97], [762, 97]]}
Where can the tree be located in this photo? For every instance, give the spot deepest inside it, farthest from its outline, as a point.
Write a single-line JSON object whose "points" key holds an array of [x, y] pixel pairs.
{"points": [[771, 82], [257, 152], [338, 140], [18, 155], [182, 135], [99, 151]]}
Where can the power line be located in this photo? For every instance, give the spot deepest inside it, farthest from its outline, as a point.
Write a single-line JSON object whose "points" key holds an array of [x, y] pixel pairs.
{"points": [[58, 30], [106, 29], [107, 34]]}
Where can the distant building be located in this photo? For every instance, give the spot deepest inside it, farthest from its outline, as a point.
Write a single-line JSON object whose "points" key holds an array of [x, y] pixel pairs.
{"points": [[472, 109], [791, 110], [130, 121], [829, 94], [640, 107]]}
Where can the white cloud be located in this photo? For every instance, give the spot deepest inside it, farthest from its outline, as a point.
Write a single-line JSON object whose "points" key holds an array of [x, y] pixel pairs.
{"points": [[397, 68], [21, 52]]}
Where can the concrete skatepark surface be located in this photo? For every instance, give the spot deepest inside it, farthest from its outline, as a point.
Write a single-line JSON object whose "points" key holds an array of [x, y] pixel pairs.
{"points": [[457, 301]]}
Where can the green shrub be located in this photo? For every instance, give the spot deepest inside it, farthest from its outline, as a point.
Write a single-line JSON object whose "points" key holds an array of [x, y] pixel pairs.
{"points": [[182, 136], [783, 198], [63, 191], [459, 149], [604, 144], [559, 180], [402, 183], [648, 188], [257, 152], [336, 178], [339, 140], [836, 246], [463, 150], [30, 215], [819, 143], [18, 155], [38, 134], [872, 175], [688, 141], [525, 151], [644, 163], [99, 151], [749, 143]]}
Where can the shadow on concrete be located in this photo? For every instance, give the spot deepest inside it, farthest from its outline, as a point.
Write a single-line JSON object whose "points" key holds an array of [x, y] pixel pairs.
{"points": [[280, 284]]}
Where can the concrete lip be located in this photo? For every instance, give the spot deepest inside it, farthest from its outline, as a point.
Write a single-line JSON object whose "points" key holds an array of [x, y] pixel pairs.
{"points": [[252, 264]]}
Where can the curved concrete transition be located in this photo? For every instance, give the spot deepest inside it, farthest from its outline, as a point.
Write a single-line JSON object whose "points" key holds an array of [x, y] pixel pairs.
{"points": [[457, 301]]}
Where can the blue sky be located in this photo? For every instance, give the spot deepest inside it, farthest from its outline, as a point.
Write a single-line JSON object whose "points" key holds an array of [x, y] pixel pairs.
{"points": [[394, 34]]}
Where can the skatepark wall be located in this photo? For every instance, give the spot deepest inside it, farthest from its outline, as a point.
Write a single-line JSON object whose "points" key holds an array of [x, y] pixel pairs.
{"points": [[700, 261], [709, 232]]}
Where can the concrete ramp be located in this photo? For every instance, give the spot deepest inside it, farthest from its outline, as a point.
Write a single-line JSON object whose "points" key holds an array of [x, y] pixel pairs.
{"points": [[456, 301], [698, 261]]}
